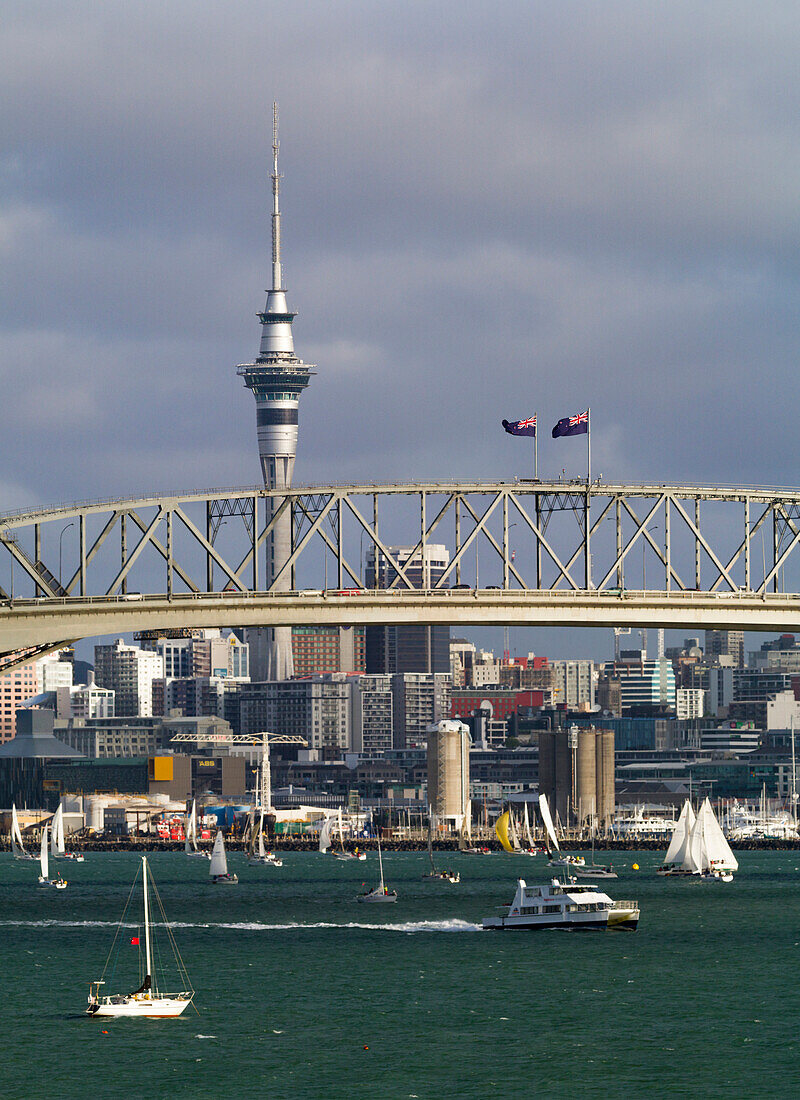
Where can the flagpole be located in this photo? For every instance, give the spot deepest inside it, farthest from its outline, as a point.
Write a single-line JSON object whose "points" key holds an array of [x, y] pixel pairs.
{"points": [[588, 563], [589, 446], [536, 447]]}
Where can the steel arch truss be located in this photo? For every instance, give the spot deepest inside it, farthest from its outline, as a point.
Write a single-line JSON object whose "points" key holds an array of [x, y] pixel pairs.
{"points": [[519, 537]]}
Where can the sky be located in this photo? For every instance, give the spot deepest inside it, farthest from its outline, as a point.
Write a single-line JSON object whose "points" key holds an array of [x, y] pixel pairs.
{"points": [[489, 210]]}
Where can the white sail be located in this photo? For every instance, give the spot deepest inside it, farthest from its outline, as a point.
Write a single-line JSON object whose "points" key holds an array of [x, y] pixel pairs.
{"points": [[544, 810], [219, 861], [44, 858], [260, 850], [528, 837], [709, 848], [190, 830], [57, 847], [679, 843], [17, 847], [513, 831], [468, 820], [325, 834]]}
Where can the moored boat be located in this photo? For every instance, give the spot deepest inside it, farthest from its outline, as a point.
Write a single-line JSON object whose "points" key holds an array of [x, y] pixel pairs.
{"points": [[565, 904], [379, 893]]}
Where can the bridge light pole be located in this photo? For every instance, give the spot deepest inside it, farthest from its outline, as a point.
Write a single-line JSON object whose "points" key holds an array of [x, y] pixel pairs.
{"points": [[60, 537]]}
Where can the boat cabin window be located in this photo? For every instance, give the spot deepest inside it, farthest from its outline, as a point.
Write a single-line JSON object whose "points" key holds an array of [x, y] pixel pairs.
{"points": [[551, 909]]}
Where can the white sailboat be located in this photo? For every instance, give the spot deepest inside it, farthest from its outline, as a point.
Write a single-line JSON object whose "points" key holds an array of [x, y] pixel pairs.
{"points": [[17, 847], [146, 1001], [218, 870], [57, 845], [710, 851], [379, 893], [190, 834], [445, 876], [44, 860], [551, 843], [257, 852]]}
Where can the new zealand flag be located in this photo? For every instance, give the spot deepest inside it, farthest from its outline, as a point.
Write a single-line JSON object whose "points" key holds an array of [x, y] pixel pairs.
{"points": [[572, 425], [521, 427]]}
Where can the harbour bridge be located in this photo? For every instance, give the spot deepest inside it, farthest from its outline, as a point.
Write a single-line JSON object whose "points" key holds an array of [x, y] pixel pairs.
{"points": [[522, 552]]}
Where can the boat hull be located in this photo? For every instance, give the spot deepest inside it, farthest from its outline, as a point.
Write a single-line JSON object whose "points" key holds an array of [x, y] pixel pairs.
{"points": [[527, 924], [225, 880], [144, 1008]]}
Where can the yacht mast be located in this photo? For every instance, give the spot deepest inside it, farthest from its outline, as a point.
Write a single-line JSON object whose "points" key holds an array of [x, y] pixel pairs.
{"points": [[148, 981]]}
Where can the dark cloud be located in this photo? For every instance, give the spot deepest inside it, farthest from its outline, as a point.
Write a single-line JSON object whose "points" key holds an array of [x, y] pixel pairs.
{"points": [[489, 210]]}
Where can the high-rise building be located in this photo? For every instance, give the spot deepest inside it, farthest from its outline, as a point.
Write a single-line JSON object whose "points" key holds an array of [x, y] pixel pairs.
{"points": [[408, 647], [277, 378], [573, 682], [725, 643], [418, 700], [15, 687], [372, 713], [317, 708], [327, 649], [129, 672]]}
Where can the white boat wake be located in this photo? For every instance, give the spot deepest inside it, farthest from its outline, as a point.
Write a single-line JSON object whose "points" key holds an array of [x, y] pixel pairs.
{"points": [[256, 926]]}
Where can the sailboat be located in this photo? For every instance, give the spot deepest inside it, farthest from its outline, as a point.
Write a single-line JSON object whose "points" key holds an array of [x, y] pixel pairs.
{"points": [[325, 835], [57, 846], [709, 850], [445, 876], [551, 843], [466, 835], [678, 860], [218, 870], [256, 852], [593, 870], [17, 847], [44, 860], [146, 1001], [501, 830], [379, 893], [343, 853], [190, 834], [532, 849]]}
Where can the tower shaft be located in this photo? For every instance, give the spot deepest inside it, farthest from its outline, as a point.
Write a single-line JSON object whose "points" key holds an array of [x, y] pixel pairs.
{"points": [[277, 378]]}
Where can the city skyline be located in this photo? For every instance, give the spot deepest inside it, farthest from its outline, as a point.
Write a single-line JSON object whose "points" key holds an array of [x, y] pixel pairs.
{"points": [[599, 209]]}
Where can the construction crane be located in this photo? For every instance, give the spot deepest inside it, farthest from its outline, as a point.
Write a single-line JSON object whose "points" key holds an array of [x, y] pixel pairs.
{"points": [[264, 784]]}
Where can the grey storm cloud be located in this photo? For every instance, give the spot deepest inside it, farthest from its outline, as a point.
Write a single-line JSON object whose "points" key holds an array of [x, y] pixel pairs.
{"points": [[489, 210]]}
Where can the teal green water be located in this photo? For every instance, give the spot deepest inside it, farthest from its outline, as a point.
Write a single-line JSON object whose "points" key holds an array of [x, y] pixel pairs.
{"points": [[294, 980]]}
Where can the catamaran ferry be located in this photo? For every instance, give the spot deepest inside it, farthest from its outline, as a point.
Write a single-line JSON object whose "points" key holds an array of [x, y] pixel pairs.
{"points": [[564, 905]]}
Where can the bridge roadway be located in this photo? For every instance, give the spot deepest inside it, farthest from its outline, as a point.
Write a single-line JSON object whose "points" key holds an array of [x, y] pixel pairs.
{"points": [[43, 622], [562, 553]]}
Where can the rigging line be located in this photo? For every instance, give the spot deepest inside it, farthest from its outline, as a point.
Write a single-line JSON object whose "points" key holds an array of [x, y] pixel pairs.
{"points": [[116, 934], [183, 972]]}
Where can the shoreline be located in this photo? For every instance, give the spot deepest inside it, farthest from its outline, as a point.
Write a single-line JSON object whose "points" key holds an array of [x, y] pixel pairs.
{"points": [[311, 844]]}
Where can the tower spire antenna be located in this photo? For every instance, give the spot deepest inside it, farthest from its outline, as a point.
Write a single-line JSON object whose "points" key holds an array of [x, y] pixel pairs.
{"points": [[277, 274]]}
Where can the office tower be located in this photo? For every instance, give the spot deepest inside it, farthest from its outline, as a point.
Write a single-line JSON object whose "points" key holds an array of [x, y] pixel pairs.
{"points": [[409, 647]]}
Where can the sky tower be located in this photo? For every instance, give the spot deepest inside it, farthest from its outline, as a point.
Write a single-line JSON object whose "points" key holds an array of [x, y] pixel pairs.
{"points": [[277, 378]]}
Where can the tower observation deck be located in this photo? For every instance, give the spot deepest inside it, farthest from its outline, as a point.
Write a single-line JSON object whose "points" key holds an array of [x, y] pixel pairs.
{"points": [[277, 378]]}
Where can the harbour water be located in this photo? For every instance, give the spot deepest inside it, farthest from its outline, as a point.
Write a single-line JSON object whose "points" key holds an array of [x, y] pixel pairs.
{"points": [[302, 993]]}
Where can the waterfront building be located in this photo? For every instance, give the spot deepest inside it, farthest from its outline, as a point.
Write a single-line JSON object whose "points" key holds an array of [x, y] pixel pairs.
{"points": [[277, 378], [91, 701], [448, 770], [129, 672], [53, 673], [576, 773]]}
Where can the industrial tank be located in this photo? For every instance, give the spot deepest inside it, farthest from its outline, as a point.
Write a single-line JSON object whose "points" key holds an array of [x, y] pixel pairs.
{"points": [[448, 768]]}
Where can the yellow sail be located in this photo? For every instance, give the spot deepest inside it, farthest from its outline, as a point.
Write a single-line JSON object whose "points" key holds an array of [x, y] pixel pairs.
{"points": [[501, 828]]}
